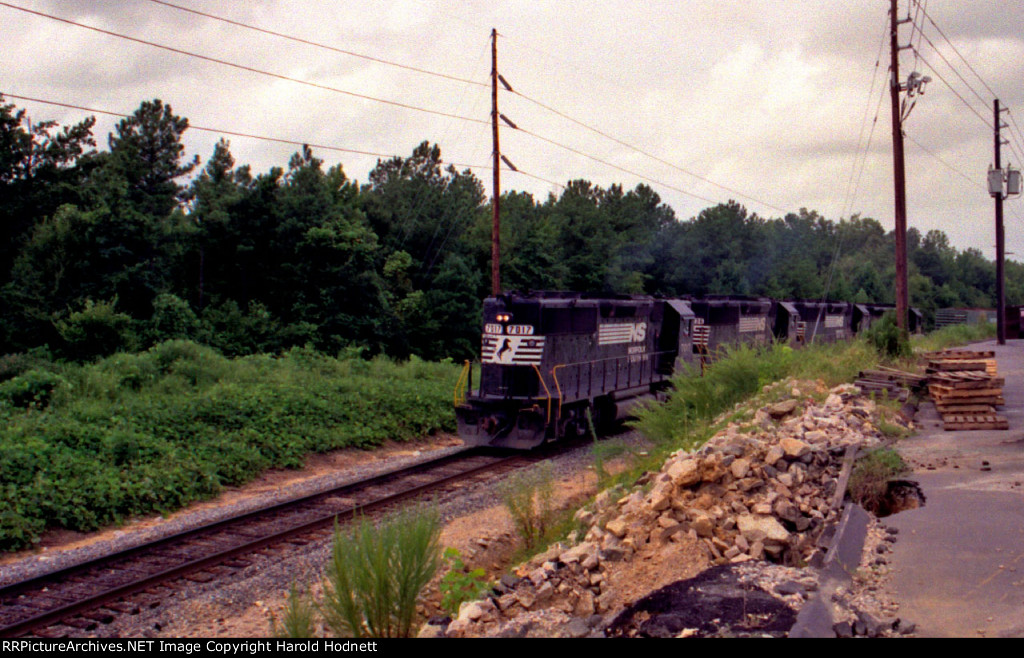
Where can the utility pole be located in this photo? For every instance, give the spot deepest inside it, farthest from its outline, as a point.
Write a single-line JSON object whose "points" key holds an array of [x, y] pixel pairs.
{"points": [[1000, 244], [495, 222], [899, 173]]}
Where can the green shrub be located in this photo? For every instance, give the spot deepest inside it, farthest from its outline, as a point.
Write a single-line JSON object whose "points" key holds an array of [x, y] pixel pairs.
{"points": [[172, 318], [12, 365], [460, 584], [86, 445], [299, 617], [886, 337], [869, 481], [376, 573], [96, 330], [32, 389], [528, 496]]}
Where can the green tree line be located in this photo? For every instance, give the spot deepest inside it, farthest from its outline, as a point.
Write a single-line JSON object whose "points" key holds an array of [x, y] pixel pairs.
{"points": [[103, 250]]}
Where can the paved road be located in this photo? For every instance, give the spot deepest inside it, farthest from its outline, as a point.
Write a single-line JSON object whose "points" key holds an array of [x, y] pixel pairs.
{"points": [[959, 560]]}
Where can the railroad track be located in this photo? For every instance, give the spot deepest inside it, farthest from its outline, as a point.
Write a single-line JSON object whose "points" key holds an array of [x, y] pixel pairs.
{"points": [[94, 593]]}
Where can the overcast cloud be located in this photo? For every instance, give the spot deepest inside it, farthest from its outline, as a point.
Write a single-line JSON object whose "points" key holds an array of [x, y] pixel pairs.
{"points": [[766, 97]]}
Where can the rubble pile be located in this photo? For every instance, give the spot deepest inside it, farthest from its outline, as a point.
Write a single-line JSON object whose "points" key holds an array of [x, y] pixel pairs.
{"points": [[760, 492]]}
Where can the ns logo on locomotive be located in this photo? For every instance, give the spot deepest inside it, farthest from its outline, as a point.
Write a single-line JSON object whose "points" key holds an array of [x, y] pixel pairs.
{"points": [[553, 362]]}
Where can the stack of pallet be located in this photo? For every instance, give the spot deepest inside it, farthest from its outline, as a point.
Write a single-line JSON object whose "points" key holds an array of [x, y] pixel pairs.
{"points": [[966, 389], [896, 384]]}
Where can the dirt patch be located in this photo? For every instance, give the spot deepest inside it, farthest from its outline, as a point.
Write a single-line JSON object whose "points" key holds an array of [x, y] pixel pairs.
{"points": [[900, 496]]}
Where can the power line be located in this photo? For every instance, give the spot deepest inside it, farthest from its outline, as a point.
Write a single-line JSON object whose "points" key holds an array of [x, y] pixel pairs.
{"points": [[851, 188], [645, 153], [612, 165], [319, 45], [243, 67], [953, 68], [235, 133], [964, 59], [947, 165], [958, 95]]}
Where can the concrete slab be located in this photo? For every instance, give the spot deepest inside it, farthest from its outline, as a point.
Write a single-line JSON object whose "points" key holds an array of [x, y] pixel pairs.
{"points": [[959, 560]]}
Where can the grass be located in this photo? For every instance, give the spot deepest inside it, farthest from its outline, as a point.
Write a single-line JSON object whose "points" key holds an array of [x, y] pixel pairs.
{"points": [[686, 419], [953, 335], [376, 573], [869, 481], [84, 446], [528, 496]]}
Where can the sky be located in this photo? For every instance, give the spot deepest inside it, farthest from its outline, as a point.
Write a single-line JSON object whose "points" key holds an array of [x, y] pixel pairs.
{"points": [[767, 102]]}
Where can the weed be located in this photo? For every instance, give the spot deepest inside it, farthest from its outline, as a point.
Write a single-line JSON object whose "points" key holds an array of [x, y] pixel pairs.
{"points": [[459, 585], [958, 334], [889, 339], [376, 574], [528, 496], [869, 481], [299, 615], [82, 446]]}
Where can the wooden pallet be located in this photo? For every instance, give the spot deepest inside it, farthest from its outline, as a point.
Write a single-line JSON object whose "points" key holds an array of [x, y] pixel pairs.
{"points": [[966, 379], [975, 422], [979, 365], [968, 409], [959, 354]]}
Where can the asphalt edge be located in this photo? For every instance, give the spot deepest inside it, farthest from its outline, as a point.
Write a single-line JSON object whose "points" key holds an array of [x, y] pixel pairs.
{"points": [[841, 561]]}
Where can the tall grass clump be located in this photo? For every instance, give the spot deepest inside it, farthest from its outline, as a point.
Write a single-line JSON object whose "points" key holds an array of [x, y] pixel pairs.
{"points": [[685, 419], [299, 617], [953, 335], [528, 496], [376, 574]]}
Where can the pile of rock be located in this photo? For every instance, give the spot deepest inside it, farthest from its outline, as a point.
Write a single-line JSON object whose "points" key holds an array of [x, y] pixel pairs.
{"points": [[760, 491]]}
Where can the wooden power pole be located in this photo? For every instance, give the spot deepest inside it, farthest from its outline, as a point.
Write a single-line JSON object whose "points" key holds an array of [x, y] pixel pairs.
{"points": [[495, 222], [1000, 243], [899, 173]]}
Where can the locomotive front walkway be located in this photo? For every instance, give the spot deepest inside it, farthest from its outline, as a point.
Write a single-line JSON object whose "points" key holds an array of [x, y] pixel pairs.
{"points": [[958, 561]]}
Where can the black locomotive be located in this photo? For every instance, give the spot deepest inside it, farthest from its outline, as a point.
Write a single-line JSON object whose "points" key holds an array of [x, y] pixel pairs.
{"points": [[554, 363]]}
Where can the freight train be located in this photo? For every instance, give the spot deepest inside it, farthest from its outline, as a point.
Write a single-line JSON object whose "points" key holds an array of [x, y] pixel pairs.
{"points": [[555, 364]]}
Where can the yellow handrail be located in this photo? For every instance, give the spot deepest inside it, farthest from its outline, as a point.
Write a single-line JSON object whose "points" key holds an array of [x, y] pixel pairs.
{"points": [[459, 397], [554, 376], [546, 391]]}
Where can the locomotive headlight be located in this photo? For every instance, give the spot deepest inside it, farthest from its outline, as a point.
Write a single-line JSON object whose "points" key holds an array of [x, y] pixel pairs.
{"points": [[504, 317]]}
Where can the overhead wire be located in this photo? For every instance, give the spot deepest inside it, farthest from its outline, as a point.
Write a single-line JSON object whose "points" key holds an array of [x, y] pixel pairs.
{"points": [[957, 51], [958, 172], [316, 44], [646, 153], [242, 66], [958, 95], [235, 133], [850, 188], [611, 164]]}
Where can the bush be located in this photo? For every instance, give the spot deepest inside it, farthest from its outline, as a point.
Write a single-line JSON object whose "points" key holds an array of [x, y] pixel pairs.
{"points": [[298, 618], [96, 330], [172, 318], [33, 389], [376, 573], [86, 445], [460, 584], [869, 481], [528, 496], [886, 337]]}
